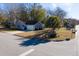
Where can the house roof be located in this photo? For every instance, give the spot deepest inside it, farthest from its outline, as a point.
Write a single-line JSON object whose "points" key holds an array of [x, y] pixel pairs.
{"points": [[31, 22]]}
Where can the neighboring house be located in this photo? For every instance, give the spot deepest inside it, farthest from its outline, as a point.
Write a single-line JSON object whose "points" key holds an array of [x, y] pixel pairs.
{"points": [[27, 26], [35, 26], [71, 22], [20, 25]]}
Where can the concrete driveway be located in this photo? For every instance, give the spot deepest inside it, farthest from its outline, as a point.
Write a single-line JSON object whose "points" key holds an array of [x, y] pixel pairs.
{"points": [[11, 45]]}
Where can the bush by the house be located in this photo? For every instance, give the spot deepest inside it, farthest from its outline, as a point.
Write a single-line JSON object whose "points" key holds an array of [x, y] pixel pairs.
{"points": [[52, 34], [6, 24]]}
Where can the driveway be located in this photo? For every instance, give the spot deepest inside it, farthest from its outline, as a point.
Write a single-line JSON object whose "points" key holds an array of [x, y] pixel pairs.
{"points": [[11, 45]]}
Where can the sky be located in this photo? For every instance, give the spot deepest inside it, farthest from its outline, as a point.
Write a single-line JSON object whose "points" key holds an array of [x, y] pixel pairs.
{"points": [[72, 9]]}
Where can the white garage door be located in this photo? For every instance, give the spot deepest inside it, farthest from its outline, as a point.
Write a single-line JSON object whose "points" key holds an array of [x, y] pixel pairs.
{"points": [[30, 27]]}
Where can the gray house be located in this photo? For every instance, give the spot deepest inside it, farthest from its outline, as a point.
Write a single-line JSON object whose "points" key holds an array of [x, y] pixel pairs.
{"points": [[29, 26], [36, 26]]}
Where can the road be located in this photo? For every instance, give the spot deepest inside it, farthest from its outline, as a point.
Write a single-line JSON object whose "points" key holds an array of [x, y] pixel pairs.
{"points": [[77, 38], [11, 45]]}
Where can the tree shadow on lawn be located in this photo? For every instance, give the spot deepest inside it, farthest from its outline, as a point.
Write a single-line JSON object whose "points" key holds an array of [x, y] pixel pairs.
{"points": [[34, 41]]}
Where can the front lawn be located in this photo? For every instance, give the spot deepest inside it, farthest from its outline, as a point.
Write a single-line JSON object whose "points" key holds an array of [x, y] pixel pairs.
{"points": [[63, 33], [30, 34]]}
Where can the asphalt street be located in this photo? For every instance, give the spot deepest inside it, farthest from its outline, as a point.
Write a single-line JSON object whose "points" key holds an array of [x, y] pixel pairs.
{"points": [[11, 45]]}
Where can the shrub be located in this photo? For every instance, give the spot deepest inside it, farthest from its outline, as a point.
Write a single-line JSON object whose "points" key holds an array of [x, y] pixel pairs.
{"points": [[52, 34], [53, 22], [6, 24]]}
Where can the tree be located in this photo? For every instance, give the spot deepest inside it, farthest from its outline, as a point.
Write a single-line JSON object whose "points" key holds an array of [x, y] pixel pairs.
{"points": [[59, 13], [11, 11], [2, 18], [26, 12], [37, 12], [22, 12], [65, 22], [53, 22]]}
